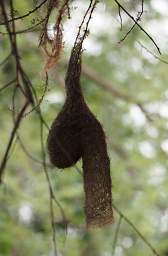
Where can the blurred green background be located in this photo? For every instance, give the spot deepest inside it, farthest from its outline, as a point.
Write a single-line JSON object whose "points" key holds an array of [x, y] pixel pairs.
{"points": [[135, 120]]}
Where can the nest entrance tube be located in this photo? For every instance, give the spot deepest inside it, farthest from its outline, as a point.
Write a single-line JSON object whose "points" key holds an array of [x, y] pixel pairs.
{"points": [[97, 179]]}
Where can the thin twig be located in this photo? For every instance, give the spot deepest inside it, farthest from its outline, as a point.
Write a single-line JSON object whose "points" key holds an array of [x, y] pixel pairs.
{"points": [[12, 136], [151, 53], [42, 97], [53, 225], [49, 188], [83, 20], [147, 115], [93, 75], [116, 235], [136, 230], [14, 50], [26, 14], [6, 59], [137, 19], [150, 37], [7, 85], [29, 155], [51, 193], [26, 30]]}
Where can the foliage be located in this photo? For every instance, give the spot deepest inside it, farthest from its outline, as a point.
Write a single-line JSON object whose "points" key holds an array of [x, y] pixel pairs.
{"points": [[125, 85]]}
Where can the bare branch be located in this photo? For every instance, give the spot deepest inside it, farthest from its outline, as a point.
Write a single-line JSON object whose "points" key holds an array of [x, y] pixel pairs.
{"points": [[6, 59], [26, 14], [51, 193], [7, 84], [26, 30], [12, 136], [53, 225], [136, 230], [141, 28], [80, 27], [148, 116], [29, 155], [153, 54], [93, 75], [42, 97], [108, 86], [116, 235], [137, 19]]}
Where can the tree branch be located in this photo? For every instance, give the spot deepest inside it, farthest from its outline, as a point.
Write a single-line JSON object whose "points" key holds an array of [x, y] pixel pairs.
{"points": [[136, 230], [7, 84], [12, 136], [116, 235], [93, 75], [153, 54], [26, 14], [137, 19], [136, 22]]}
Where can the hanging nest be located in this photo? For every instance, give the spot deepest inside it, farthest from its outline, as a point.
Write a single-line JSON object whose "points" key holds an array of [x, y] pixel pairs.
{"points": [[75, 134]]}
